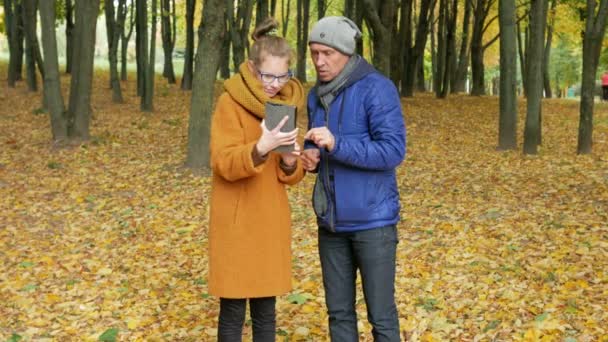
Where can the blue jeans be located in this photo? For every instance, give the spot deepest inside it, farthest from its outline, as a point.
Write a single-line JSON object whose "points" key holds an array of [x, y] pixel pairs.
{"points": [[373, 252]]}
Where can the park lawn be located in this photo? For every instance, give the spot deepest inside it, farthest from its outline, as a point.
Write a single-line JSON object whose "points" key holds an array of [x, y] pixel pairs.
{"points": [[110, 236]]}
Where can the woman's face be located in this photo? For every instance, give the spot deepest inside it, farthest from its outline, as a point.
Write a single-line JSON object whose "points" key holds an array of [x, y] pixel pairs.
{"points": [[273, 72]]}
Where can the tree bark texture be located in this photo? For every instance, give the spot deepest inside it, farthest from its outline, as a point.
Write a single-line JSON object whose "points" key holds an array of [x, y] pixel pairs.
{"points": [[114, 24], [595, 29], [507, 122], [379, 17], [79, 109], [207, 62], [147, 100], [168, 32], [303, 16], [69, 35], [33, 56], [538, 17], [547, 52], [52, 81], [126, 37], [189, 53], [460, 75], [413, 59]]}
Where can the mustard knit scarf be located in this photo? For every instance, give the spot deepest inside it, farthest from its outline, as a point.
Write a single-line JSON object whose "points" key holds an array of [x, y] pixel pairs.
{"points": [[246, 89]]}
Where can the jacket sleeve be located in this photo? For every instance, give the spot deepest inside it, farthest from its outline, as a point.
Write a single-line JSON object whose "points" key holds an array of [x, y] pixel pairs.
{"points": [[385, 149], [307, 143], [231, 156], [292, 178]]}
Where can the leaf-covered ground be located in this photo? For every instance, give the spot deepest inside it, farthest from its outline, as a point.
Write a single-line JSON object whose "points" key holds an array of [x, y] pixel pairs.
{"points": [[107, 240]]}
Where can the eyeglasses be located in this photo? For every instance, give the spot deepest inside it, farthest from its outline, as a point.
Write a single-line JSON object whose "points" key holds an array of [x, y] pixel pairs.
{"points": [[269, 78]]}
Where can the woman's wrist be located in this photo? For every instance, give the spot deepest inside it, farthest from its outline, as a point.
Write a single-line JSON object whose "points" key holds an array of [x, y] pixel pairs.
{"points": [[262, 152], [288, 167]]}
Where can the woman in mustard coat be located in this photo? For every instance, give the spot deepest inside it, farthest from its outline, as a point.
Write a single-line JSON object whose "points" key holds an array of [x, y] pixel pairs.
{"points": [[250, 222]]}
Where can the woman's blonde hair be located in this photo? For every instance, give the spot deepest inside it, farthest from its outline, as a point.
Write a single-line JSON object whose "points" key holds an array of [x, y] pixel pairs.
{"points": [[267, 42]]}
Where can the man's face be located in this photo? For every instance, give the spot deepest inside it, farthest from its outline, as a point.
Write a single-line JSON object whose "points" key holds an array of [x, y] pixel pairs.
{"points": [[328, 61]]}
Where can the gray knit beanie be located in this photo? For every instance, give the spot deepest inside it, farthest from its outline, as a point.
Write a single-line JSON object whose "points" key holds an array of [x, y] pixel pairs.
{"points": [[339, 33]]}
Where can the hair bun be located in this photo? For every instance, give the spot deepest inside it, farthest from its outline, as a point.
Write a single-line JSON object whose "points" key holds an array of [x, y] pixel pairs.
{"points": [[268, 27]]}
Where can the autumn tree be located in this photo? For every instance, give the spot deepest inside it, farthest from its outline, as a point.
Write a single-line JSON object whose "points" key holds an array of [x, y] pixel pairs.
{"points": [[14, 31], [448, 12], [123, 9], [507, 123], [189, 52], [353, 9], [169, 33], [285, 10], [459, 76], [595, 28], [33, 56], [69, 34], [547, 50], [379, 17], [207, 61], [114, 28], [238, 28], [79, 109], [302, 20], [52, 82], [534, 60], [481, 23], [413, 55]]}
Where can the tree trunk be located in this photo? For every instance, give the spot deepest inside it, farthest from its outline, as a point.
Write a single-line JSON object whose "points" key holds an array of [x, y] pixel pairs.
{"points": [[10, 22], [189, 53], [538, 17], [477, 66], [262, 11], [273, 8], [434, 72], [547, 54], [420, 78], [79, 109], [447, 48], [69, 36], [33, 56], [460, 75], [379, 17], [507, 123], [114, 32], [303, 17], [147, 100], [19, 41], [207, 62], [414, 62], [359, 9], [225, 56], [125, 38], [405, 38], [168, 32], [440, 57], [141, 46], [522, 60], [397, 50], [238, 29], [52, 82], [285, 15], [595, 29], [321, 8]]}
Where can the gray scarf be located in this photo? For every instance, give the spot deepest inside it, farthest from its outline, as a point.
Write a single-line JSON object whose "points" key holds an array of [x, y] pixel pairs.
{"points": [[327, 91]]}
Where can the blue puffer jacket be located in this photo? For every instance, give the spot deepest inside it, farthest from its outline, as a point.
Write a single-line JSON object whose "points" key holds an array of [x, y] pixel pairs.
{"points": [[356, 185]]}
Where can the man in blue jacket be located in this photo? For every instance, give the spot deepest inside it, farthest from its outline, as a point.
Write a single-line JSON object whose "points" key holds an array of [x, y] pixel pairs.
{"points": [[356, 139]]}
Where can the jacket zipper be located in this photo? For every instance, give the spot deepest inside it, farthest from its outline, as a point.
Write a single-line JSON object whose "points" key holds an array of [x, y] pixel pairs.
{"points": [[331, 209]]}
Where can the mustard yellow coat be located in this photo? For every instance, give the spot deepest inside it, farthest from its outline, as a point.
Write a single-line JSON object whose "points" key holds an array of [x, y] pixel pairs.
{"points": [[250, 218]]}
